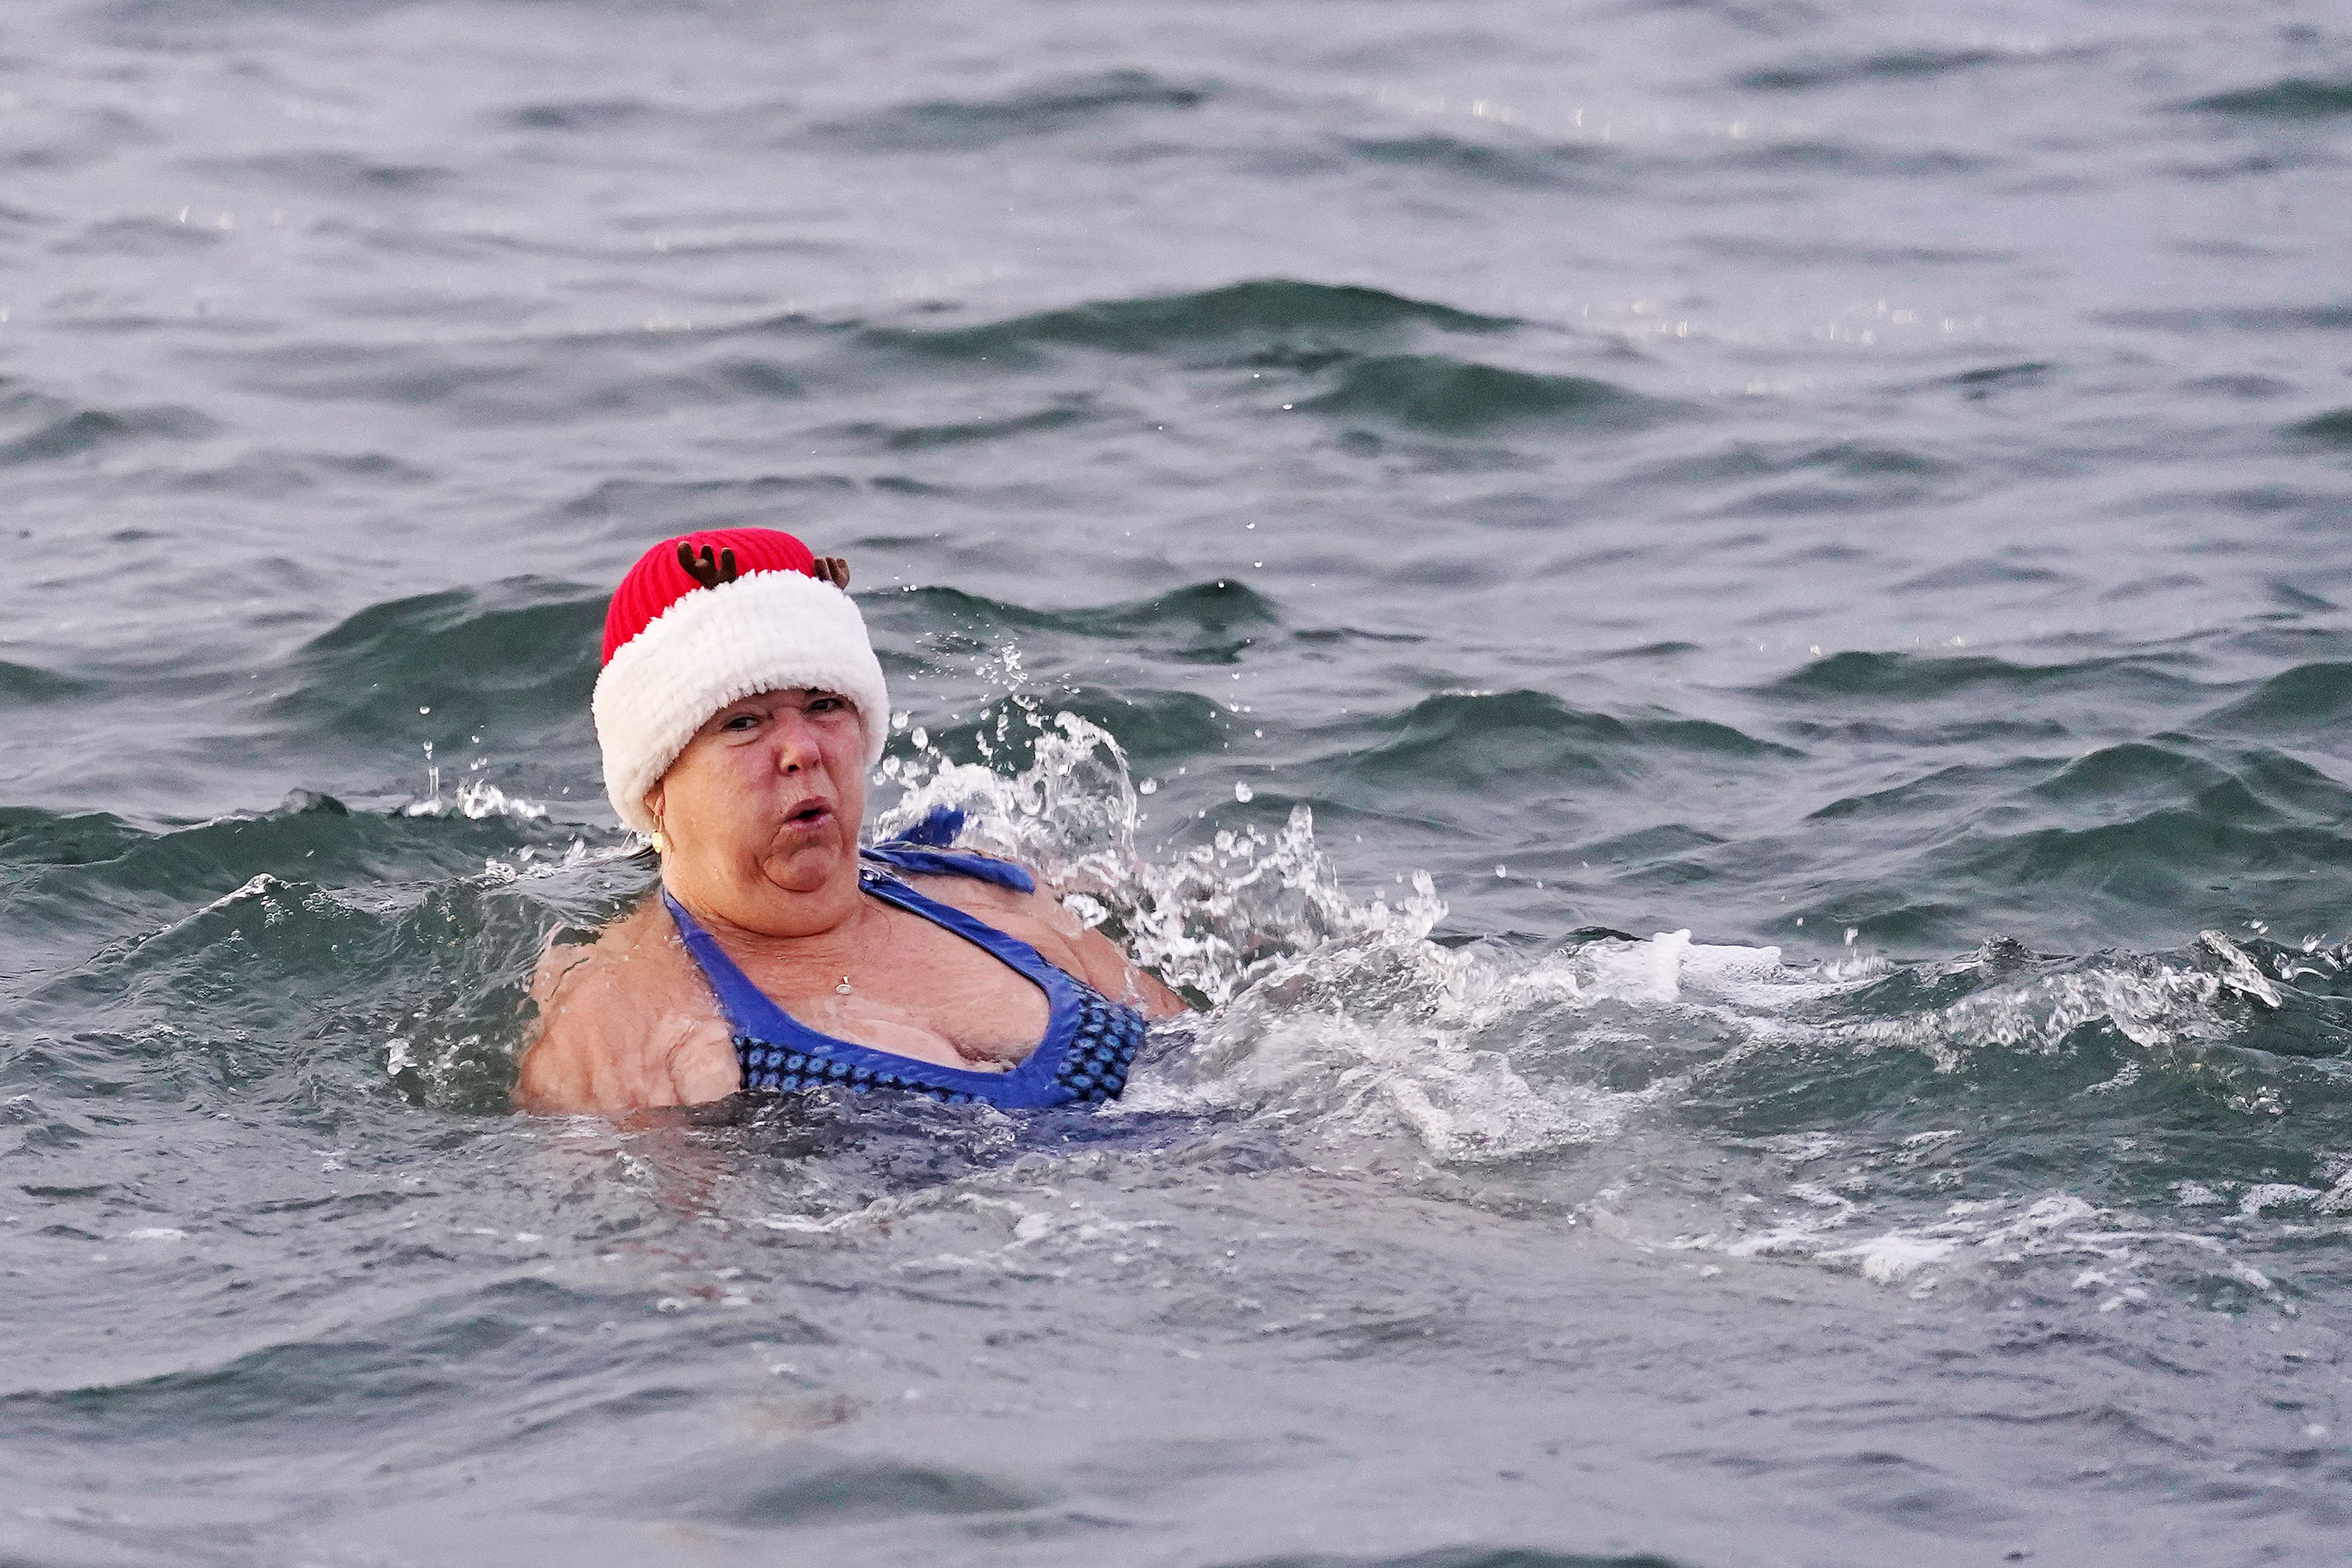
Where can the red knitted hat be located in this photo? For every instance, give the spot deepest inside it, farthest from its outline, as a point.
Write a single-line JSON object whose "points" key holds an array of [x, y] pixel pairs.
{"points": [[660, 579], [736, 612]]}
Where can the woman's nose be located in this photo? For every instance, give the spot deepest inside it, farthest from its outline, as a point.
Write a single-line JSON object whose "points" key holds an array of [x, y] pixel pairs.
{"points": [[795, 744]]}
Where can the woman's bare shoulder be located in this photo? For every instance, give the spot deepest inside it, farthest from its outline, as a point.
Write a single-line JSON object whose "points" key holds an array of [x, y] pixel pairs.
{"points": [[1029, 916], [623, 1024], [1040, 920]]}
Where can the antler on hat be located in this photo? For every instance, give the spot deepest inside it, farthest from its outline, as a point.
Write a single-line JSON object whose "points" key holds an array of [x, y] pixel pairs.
{"points": [[705, 571]]}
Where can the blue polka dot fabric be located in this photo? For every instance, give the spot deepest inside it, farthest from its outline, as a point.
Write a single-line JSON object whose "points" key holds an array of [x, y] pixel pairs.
{"points": [[1092, 1065]]}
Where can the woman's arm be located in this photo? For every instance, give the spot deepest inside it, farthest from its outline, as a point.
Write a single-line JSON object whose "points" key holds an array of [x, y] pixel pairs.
{"points": [[1113, 973], [624, 1026]]}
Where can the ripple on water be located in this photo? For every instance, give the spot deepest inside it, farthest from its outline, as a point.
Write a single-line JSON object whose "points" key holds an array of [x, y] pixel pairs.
{"points": [[642, 510], [2333, 316], [582, 114], [1528, 165], [1264, 310], [1440, 394], [1048, 108], [2334, 427], [2308, 697], [1473, 741], [1813, 155], [1904, 678], [1203, 623], [1070, 410], [148, 236], [62, 433], [1900, 66], [813, 1489], [26, 686], [516, 657], [2100, 840], [338, 173], [1987, 381], [2288, 99]]}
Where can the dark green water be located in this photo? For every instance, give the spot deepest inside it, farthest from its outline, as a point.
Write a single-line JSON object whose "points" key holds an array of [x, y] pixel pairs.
{"points": [[1396, 505]]}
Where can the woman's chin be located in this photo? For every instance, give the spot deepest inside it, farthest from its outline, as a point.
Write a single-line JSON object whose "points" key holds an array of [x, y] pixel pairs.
{"points": [[805, 862]]}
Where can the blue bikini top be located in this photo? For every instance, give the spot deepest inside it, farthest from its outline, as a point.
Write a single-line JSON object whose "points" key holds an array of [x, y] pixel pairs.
{"points": [[1090, 1040]]}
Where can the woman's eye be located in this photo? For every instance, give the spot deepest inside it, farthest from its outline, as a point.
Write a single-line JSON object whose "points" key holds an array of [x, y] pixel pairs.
{"points": [[741, 722], [825, 705]]}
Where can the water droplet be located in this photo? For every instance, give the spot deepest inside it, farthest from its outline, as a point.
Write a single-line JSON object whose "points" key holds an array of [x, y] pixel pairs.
{"points": [[1148, 787], [1499, 871], [1242, 791]]}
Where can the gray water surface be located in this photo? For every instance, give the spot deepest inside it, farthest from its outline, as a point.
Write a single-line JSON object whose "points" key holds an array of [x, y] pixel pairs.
{"points": [[1715, 634]]}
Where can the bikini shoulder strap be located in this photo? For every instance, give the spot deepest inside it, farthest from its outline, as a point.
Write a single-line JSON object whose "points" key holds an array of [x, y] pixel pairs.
{"points": [[923, 850]]}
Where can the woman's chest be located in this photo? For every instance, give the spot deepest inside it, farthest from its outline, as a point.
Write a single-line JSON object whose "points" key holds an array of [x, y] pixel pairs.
{"points": [[916, 990]]}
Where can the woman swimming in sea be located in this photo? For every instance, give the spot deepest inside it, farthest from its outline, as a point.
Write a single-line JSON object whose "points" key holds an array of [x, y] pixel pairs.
{"points": [[739, 710]]}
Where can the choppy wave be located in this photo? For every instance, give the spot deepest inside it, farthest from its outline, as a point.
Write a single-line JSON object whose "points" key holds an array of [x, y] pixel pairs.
{"points": [[1891, 65], [1911, 678], [1205, 623], [1451, 396], [25, 685], [1275, 310], [1528, 164], [503, 657], [58, 433], [2335, 426], [1359, 336], [1044, 110], [2289, 97]]}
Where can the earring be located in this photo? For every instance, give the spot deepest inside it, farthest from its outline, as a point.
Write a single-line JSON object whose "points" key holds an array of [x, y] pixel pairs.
{"points": [[661, 845]]}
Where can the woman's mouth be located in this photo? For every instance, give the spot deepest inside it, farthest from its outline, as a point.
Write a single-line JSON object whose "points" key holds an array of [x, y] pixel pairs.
{"points": [[808, 816]]}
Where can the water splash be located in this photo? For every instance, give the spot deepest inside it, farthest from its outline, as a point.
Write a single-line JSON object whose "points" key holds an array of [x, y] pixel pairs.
{"points": [[1210, 921], [2151, 1002], [475, 799]]}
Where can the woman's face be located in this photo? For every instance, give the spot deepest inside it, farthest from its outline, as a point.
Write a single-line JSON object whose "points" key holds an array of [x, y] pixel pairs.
{"points": [[766, 800]]}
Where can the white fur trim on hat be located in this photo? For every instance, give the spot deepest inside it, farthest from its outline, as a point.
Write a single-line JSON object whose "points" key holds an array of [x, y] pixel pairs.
{"points": [[770, 631]]}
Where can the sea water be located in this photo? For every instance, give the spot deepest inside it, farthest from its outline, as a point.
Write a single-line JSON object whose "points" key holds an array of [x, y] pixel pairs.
{"points": [[1715, 635]]}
